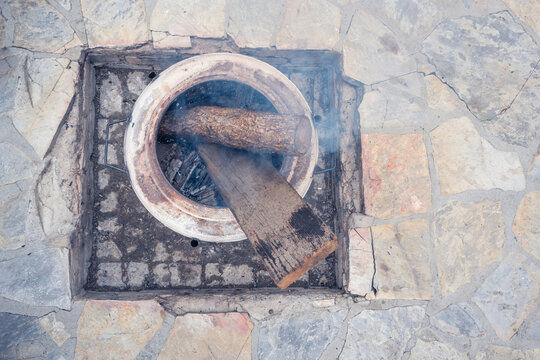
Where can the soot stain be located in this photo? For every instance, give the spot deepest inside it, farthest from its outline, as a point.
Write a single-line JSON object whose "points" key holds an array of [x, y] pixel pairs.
{"points": [[306, 223]]}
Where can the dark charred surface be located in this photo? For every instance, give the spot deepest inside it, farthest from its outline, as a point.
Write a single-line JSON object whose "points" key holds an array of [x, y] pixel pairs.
{"points": [[305, 223], [175, 261]]}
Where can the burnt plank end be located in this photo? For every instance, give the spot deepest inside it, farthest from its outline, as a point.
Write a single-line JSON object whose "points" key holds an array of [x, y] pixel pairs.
{"points": [[286, 233]]}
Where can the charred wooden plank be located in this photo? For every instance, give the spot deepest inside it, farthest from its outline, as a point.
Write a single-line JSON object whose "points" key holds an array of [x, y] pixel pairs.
{"points": [[240, 128], [286, 233]]}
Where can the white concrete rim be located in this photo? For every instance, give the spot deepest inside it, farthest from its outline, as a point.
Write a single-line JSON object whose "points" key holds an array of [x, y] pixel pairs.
{"points": [[175, 211]]}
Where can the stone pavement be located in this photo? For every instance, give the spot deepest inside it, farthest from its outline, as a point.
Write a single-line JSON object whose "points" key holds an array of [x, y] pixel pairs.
{"points": [[443, 254]]}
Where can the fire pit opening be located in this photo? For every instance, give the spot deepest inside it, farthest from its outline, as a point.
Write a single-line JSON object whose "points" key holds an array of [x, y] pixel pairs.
{"points": [[123, 247], [178, 158]]}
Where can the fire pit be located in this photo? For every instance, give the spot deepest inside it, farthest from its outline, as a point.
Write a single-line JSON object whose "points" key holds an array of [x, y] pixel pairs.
{"points": [[179, 213], [127, 247]]}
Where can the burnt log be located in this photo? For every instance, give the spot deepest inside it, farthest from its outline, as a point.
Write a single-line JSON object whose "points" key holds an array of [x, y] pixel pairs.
{"points": [[287, 235], [240, 129]]}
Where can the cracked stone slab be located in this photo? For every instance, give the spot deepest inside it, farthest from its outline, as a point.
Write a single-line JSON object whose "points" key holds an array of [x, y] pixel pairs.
{"points": [[361, 262], [162, 40], [403, 260], [435, 350], [458, 320], [493, 51], [43, 92], [509, 294], [466, 161], [468, 236], [381, 334], [520, 123], [303, 337], [372, 53], [439, 95], [495, 352], [224, 336], [122, 24], [39, 27], [39, 278], [21, 337], [309, 24], [189, 18], [395, 175], [252, 24], [56, 217], [527, 10], [116, 329], [394, 103], [526, 225]]}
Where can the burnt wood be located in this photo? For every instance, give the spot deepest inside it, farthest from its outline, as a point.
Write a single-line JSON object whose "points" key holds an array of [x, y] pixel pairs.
{"points": [[285, 231], [240, 128]]}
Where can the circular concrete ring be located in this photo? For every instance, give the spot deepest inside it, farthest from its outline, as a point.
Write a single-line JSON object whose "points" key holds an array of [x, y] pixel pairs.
{"points": [[175, 211]]}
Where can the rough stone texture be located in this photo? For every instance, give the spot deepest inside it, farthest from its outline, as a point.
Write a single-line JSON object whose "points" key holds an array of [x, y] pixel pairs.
{"points": [[108, 250], [493, 51], [494, 352], [466, 161], [229, 274], [2, 30], [21, 337], [528, 11], [39, 278], [189, 18], [39, 27], [136, 83], [303, 337], [252, 24], [439, 95], [361, 262], [116, 329], [394, 103], [123, 24], [309, 24], [468, 236], [13, 221], [402, 260], [110, 101], [395, 175], [533, 332], [56, 217], [526, 224], [372, 53], [458, 320], [55, 329], [381, 334], [14, 164], [435, 350], [534, 168], [520, 123], [415, 18], [110, 275], [44, 91], [163, 41], [209, 336], [508, 295], [136, 273]]}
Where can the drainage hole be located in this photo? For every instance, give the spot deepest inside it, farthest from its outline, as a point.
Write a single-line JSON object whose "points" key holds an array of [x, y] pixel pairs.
{"points": [[194, 243], [152, 75]]}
